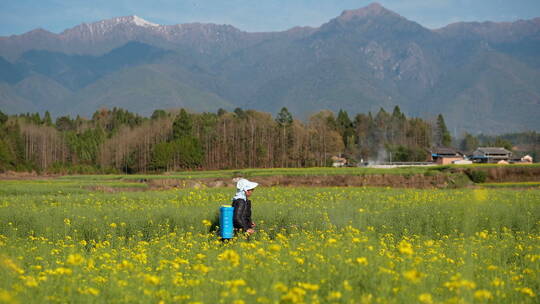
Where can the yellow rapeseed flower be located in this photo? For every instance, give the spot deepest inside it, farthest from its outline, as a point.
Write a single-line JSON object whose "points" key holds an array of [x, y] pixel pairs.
{"points": [[88, 291], [480, 195], [6, 297], [526, 291], [280, 287], [274, 247], [152, 279], [230, 256], [413, 275], [294, 295], [483, 234], [235, 283], [62, 271], [425, 298], [30, 281], [362, 261], [497, 282], [366, 299], [405, 247], [75, 259], [9, 264], [334, 295], [482, 295], [201, 268], [308, 286]]}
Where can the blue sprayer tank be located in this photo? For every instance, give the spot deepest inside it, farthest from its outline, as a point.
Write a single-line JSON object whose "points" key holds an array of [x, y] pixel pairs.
{"points": [[226, 221]]}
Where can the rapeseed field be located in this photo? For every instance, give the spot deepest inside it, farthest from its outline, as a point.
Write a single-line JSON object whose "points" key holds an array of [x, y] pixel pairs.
{"points": [[60, 243]]}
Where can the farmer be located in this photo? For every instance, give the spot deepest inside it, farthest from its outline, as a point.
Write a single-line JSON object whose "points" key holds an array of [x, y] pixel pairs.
{"points": [[242, 206]]}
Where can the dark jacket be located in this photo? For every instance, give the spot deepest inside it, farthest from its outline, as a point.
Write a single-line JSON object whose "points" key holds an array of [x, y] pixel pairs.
{"points": [[242, 214]]}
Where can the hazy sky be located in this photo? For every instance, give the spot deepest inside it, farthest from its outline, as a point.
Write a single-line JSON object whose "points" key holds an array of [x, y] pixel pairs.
{"points": [[20, 16]]}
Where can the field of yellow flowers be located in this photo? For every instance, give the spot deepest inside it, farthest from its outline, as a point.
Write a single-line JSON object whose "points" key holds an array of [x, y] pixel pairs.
{"points": [[62, 243]]}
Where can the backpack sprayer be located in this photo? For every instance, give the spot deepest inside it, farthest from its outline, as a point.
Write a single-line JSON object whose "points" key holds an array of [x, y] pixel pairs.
{"points": [[226, 221]]}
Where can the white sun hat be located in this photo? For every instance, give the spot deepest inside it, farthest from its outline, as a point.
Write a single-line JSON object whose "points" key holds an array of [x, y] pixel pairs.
{"points": [[243, 185]]}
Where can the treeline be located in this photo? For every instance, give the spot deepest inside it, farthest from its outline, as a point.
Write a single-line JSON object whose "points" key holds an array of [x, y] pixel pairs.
{"points": [[120, 141]]}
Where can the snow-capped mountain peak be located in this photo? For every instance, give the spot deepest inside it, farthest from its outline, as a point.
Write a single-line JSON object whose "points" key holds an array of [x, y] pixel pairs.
{"points": [[100, 29], [135, 20], [141, 22]]}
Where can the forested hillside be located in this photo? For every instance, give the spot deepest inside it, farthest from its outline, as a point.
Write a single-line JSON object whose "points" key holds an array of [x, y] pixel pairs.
{"points": [[120, 141]]}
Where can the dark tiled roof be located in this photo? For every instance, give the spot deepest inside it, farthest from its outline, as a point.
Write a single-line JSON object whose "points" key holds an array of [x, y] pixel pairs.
{"points": [[493, 150], [445, 150]]}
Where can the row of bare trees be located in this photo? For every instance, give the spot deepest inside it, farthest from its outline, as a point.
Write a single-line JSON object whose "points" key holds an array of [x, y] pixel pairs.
{"points": [[117, 140]]}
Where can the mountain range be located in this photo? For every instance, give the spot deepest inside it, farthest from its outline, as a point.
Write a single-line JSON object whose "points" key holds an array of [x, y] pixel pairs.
{"points": [[483, 77]]}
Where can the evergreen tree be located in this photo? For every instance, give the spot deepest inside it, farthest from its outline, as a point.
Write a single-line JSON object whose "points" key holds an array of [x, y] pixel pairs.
{"points": [[47, 120], [346, 129], [284, 120], [34, 118], [221, 112], [240, 113], [443, 137], [162, 156], [182, 125], [188, 152], [64, 123], [284, 117], [501, 142], [469, 143], [3, 118], [158, 114], [397, 114]]}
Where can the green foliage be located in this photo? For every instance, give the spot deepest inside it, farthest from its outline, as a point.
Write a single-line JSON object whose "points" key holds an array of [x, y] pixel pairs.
{"points": [[346, 129], [6, 157], [188, 152], [12, 149], [47, 120], [181, 153], [500, 142], [3, 118], [240, 113], [162, 156], [469, 143], [62, 168], [182, 125], [284, 117], [64, 123], [86, 145], [456, 181], [158, 114], [406, 154], [477, 176], [221, 112], [110, 121]]}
